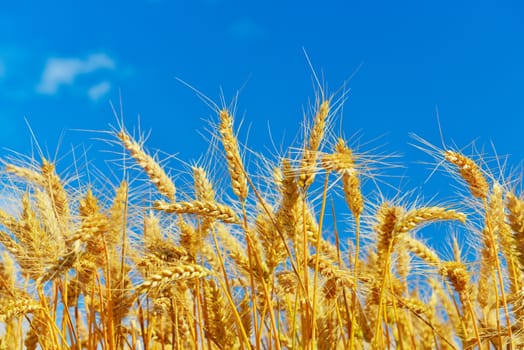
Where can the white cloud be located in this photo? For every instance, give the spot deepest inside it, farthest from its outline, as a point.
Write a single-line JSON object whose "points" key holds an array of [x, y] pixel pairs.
{"points": [[60, 71], [97, 91]]}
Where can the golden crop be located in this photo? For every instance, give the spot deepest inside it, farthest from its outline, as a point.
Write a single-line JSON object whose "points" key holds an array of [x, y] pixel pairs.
{"points": [[257, 263]]}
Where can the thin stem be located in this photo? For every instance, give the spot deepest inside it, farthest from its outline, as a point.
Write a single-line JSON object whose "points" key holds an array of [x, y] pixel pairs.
{"points": [[227, 289], [317, 259], [355, 277]]}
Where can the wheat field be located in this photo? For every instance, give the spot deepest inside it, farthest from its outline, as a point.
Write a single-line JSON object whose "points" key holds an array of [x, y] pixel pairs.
{"points": [[281, 252]]}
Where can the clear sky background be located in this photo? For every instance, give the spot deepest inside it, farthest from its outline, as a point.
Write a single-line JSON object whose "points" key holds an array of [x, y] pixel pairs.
{"points": [[61, 62]]}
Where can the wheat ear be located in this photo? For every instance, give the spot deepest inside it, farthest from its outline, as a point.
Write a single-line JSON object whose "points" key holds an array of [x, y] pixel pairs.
{"points": [[470, 172], [205, 209], [421, 250], [310, 153], [181, 272], [234, 161], [342, 161], [419, 216], [154, 171], [515, 216]]}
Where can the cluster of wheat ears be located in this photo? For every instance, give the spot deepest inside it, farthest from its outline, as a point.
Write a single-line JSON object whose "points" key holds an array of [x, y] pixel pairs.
{"points": [[257, 262]]}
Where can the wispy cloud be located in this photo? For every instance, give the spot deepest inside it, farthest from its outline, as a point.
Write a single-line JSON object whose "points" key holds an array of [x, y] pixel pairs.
{"points": [[98, 91], [60, 71], [246, 28]]}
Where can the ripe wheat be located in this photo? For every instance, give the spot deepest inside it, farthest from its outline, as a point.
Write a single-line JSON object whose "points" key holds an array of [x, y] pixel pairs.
{"points": [[266, 262]]}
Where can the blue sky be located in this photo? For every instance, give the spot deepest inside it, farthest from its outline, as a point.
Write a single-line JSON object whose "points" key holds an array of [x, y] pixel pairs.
{"points": [[61, 63]]}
